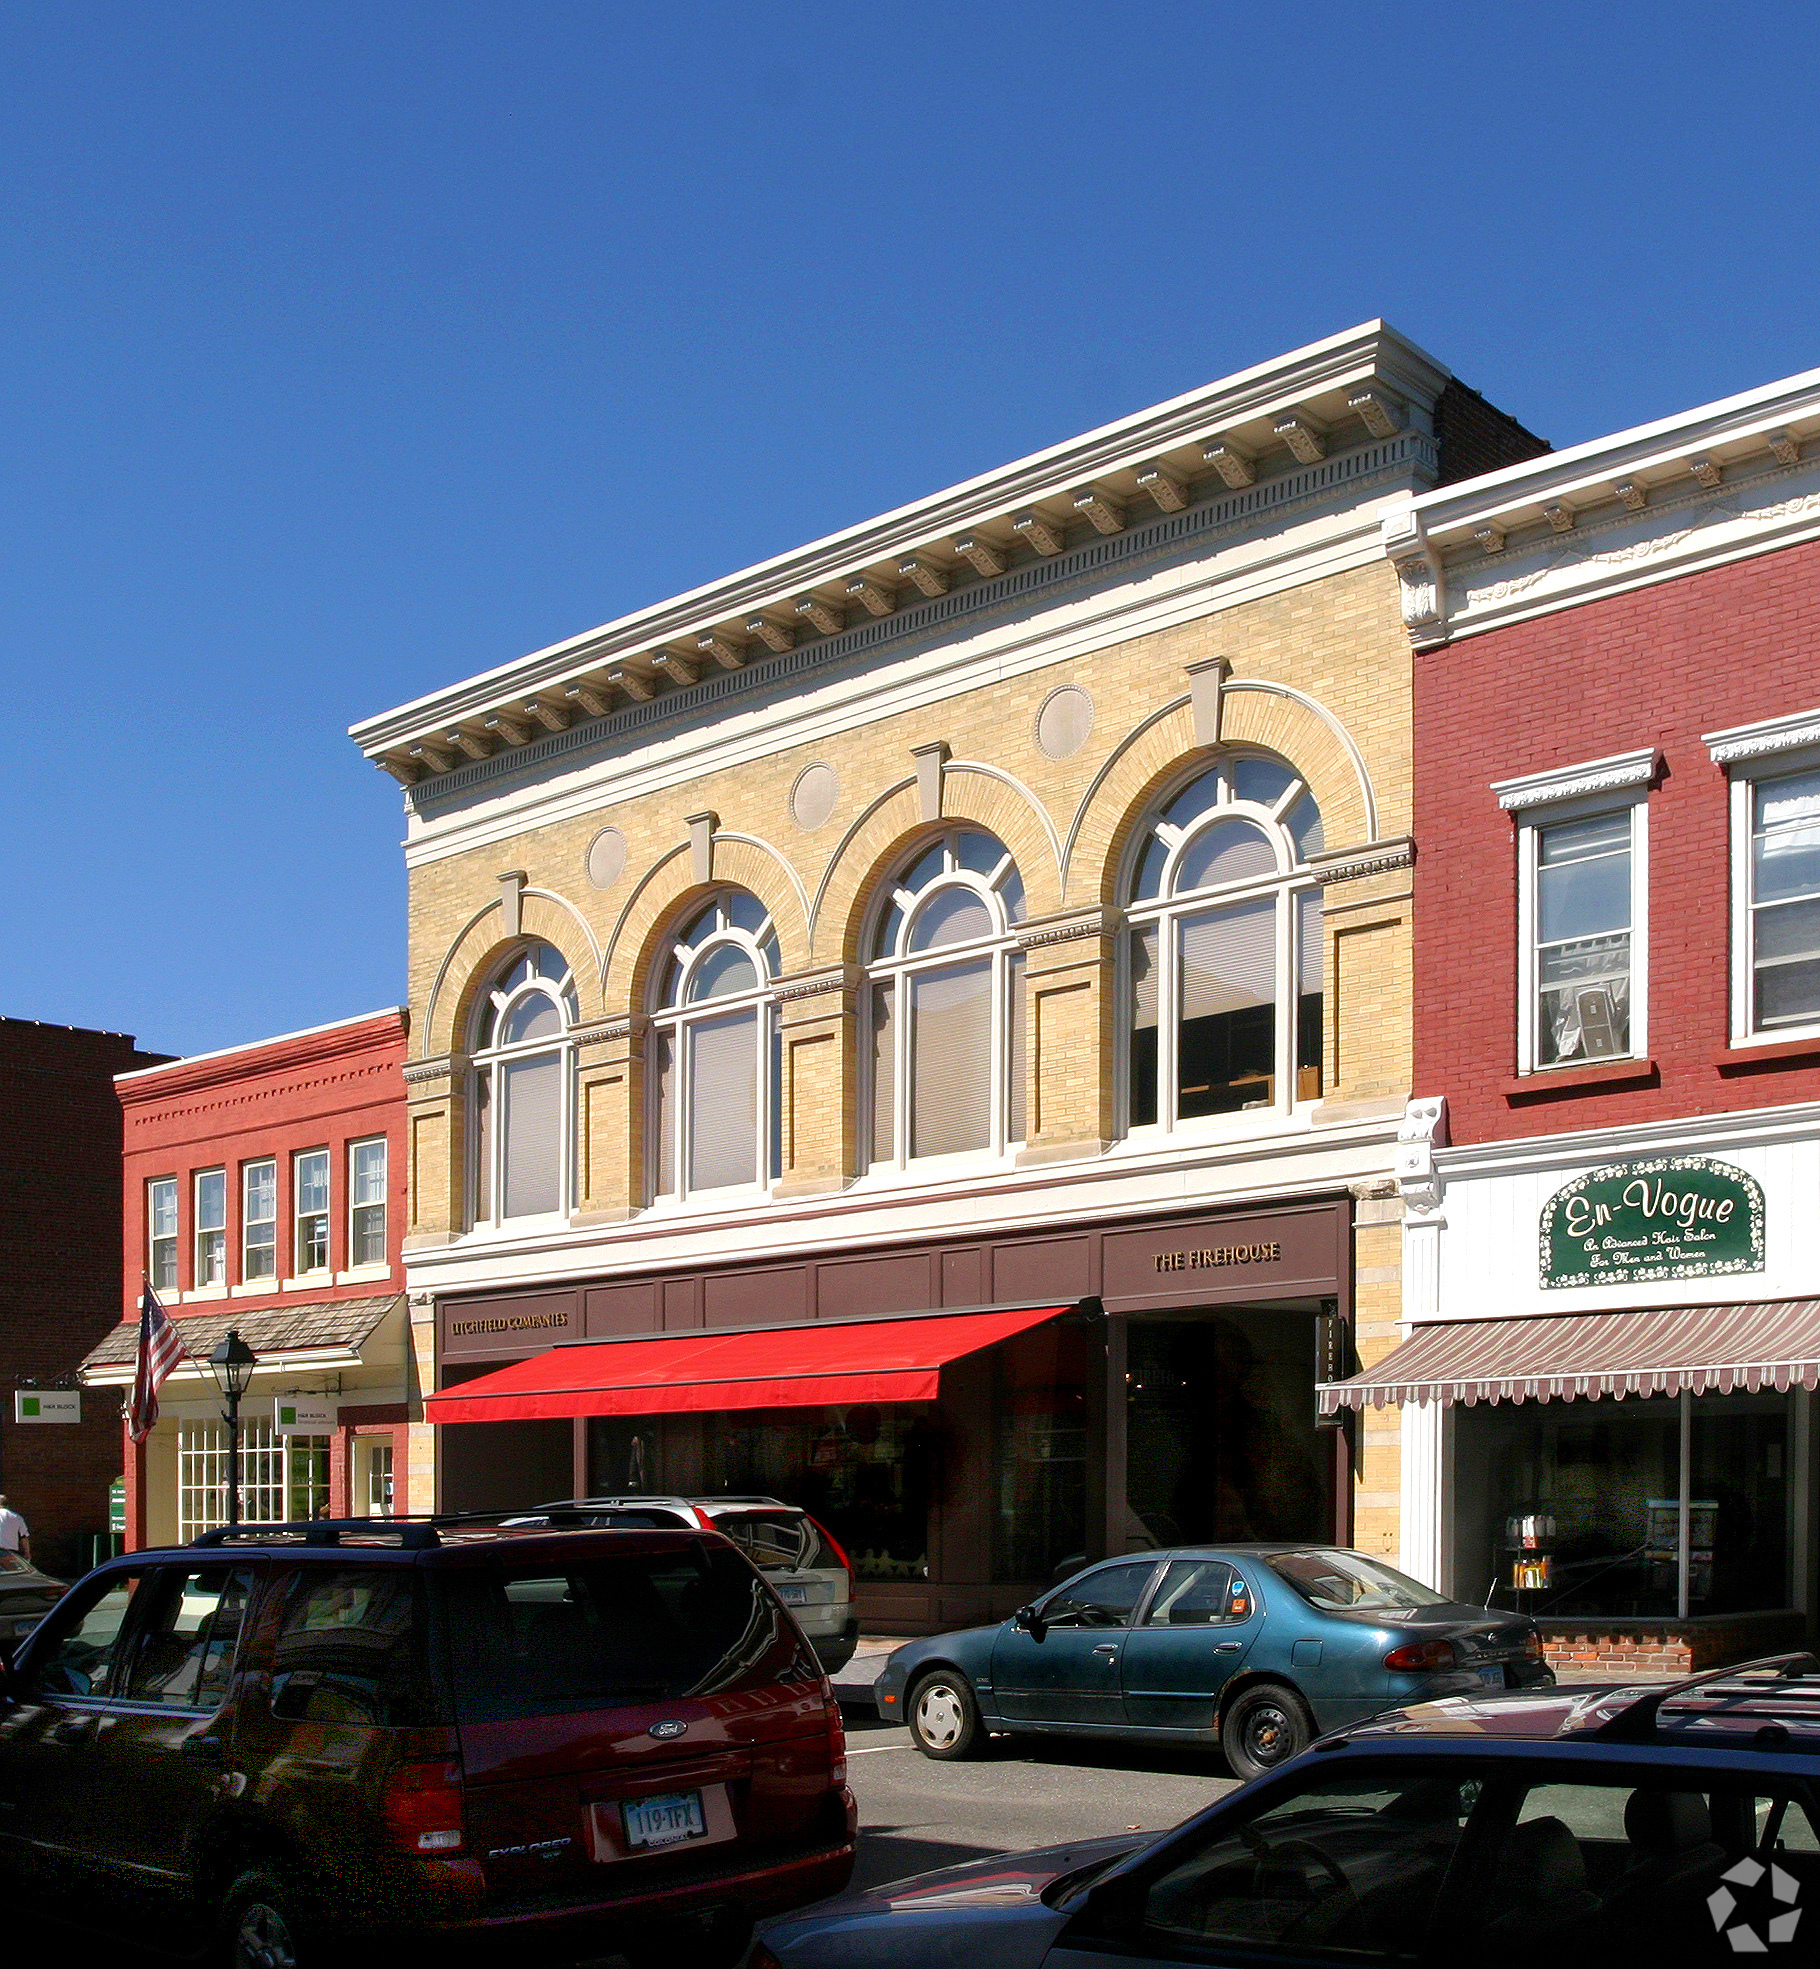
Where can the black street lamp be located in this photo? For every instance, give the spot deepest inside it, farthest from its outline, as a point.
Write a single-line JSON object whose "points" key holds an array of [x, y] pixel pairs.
{"points": [[232, 1365]]}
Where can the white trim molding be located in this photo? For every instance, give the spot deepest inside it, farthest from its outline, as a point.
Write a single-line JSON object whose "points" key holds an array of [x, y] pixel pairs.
{"points": [[1620, 771], [1764, 739]]}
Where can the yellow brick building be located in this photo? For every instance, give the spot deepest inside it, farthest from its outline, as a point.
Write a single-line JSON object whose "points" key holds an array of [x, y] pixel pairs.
{"points": [[1001, 905]]}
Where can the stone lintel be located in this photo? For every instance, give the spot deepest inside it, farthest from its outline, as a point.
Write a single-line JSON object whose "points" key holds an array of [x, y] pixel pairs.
{"points": [[1079, 1148]]}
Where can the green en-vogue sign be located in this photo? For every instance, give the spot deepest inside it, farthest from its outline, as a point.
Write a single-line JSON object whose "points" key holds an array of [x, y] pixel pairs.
{"points": [[1676, 1216]]}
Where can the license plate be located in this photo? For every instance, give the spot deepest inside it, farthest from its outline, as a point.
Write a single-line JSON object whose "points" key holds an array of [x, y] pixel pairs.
{"points": [[666, 1820], [1493, 1678], [794, 1596]]}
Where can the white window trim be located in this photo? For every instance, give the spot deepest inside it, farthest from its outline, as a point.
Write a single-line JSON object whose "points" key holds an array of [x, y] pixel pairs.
{"points": [[175, 1240], [384, 1206], [198, 1233], [1001, 949], [1623, 770], [1164, 912], [1531, 820], [267, 1281], [316, 1274], [677, 1022], [1750, 760], [489, 1060]]}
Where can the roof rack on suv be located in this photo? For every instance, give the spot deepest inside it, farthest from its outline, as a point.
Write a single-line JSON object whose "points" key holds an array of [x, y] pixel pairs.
{"points": [[1638, 1722], [411, 1534]]}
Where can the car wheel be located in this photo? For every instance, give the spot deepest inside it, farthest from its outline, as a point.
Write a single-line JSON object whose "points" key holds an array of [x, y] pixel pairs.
{"points": [[1264, 1728], [943, 1717], [259, 1925]]}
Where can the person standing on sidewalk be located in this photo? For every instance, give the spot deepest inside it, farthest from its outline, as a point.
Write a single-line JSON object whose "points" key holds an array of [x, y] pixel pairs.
{"points": [[15, 1533]]}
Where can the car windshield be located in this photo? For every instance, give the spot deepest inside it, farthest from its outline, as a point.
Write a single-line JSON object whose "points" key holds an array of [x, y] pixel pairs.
{"points": [[11, 1562], [533, 1640], [1348, 1582]]}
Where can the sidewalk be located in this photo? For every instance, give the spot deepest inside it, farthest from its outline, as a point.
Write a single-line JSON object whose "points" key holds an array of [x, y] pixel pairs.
{"points": [[853, 1685]]}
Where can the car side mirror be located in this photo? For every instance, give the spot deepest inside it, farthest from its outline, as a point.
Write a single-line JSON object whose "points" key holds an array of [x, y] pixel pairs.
{"points": [[1030, 1619], [1113, 1909]]}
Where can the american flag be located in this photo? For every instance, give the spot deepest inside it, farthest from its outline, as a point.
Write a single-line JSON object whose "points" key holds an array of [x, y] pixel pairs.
{"points": [[159, 1351]]}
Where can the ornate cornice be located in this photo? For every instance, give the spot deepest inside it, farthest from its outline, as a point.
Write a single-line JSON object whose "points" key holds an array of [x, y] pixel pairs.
{"points": [[1621, 770], [1764, 739], [606, 1030], [1354, 864], [1091, 923], [416, 1072], [844, 977]]}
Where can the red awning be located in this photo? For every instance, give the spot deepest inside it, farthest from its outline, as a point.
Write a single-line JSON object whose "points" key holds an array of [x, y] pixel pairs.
{"points": [[1589, 1356], [897, 1360]]}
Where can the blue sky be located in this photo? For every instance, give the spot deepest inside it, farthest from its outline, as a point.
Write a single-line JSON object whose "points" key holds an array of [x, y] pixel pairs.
{"points": [[348, 349]]}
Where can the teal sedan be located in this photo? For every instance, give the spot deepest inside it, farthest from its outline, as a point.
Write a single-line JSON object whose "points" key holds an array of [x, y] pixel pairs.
{"points": [[1256, 1648]]}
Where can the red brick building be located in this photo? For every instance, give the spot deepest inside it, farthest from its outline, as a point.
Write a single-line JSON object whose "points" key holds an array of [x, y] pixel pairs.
{"points": [[1611, 1174], [60, 1187], [264, 1192]]}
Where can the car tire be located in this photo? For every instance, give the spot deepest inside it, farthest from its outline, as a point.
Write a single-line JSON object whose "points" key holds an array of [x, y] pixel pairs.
{"points": [[259, 1925], [944, 1719], [1266, 1725]]}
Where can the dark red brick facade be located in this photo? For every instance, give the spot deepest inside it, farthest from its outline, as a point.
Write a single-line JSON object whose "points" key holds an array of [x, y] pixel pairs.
{"points": [[60, 1285], [1659, 666]]}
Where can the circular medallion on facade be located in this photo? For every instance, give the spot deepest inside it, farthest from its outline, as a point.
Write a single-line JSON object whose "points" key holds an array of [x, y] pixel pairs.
{"points": [[606, 857], [813, 796], [1064, 722]]}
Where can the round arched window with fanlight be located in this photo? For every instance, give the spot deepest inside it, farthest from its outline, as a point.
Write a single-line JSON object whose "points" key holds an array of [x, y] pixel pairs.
{"points": [[714, 1071], [1224, 971], [523, 1088], [946, 1003]]}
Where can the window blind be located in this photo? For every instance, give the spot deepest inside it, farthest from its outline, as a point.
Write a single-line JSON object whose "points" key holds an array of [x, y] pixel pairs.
{"points": [[1143, 979], [666, 1114], [1015, 1119], [1230, 851], [884, 1071], [959, 916], [723, 1101], [1310, 945], [1229, 959], [533, 1129], [483, 1146], [951, 1060]]}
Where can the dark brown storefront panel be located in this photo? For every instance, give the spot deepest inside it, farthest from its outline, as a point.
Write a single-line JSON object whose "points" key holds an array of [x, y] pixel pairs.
{"points": [[502, 1329], [1298, 1253], [615, 1309], [778, 1292], [876, 1285], [1044, 1268], [964, 1277]]}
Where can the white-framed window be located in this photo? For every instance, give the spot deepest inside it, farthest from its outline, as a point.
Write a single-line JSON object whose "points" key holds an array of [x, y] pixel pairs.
{"points": [[161, 1233], [945, 1004], [283, 1479], [211, 1227], [714, 1051], [1776, 900], [1582, 919], [524, 1089], [375, 1485], [1224, 972], [259, 1219], [366, 1201], [310, 1209]]}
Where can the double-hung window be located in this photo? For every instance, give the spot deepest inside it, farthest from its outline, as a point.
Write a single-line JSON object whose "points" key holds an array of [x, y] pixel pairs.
{"points": [[1776, 825], [211, 1227], [310, 1191], [366, 1202], [161, 1233], [259, 1220], [1582, 912], [523, 1089]]}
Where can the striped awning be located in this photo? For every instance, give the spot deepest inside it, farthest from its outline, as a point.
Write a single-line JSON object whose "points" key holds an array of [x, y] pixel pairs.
{"points": [[1702, 1350]]}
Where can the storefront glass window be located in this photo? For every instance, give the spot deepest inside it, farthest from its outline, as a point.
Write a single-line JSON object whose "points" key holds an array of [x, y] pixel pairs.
{"points": [[1041, 1466], [1219, 1428], [1572, 1509]]}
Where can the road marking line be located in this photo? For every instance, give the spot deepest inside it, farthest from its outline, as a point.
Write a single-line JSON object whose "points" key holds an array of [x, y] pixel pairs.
{"points": [[872, 1749]]}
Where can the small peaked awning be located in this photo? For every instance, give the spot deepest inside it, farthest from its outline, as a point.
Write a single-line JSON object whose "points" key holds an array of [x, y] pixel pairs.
{"points": [[1699, 1350], [329, 1332], [833, 1361]]}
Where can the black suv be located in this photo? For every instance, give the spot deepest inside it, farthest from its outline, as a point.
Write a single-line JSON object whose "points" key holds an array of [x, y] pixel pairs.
{"points": [[289, 1738]]}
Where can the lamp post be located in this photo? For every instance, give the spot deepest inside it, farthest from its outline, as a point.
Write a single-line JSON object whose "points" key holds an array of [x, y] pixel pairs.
{"points": [[232, 1365]]}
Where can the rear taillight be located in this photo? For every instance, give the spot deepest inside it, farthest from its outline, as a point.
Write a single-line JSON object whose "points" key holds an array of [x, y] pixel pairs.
{"points": [[702, 1518], [834, 1545], [1532, 1644], [1422, 1657], [422, 1808], [837, 1745]]}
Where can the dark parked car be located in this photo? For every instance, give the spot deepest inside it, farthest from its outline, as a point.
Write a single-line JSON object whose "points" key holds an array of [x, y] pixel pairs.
{"points": [[26, 1596], [1255, 1647], [1590, 1828], [286, 1739]]}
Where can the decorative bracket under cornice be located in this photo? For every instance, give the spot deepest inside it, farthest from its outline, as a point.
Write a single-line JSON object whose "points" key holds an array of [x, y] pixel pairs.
{"points": [[1354, 864], [1069, 929]]}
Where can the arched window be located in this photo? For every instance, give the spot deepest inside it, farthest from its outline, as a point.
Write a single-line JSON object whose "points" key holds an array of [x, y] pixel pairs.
{"points": [[715, 1051], [947, 1004], [523, 1085], [1224, 949]]}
